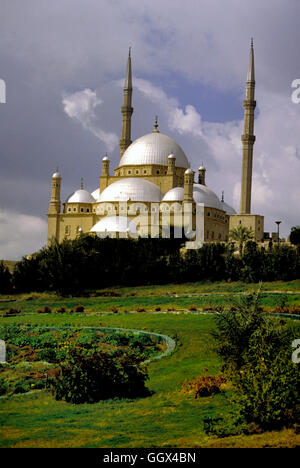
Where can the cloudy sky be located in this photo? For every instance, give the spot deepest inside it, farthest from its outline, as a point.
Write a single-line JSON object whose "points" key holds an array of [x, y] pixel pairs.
{"points": [[63, 62]]}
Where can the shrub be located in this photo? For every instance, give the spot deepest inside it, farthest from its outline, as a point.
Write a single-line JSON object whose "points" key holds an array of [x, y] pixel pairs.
{"points": [[12, 312], [114, 310], [79, 308], [193, 307], [98, 375], [3, 387], [140, 309], [44, 310], [157, 309], [61, 310], [204, 385], [256, 353]]}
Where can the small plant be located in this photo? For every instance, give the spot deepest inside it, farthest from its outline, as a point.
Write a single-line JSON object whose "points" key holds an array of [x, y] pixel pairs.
{"points": [[205, 385], [157, 309], [193, 307], [61, 310], [79, 308], [114, 310], [140, 309], [12, 312]]}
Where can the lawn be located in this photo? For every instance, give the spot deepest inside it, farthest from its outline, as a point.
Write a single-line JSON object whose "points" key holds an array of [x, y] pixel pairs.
{"points": [[172, 296], [167, 418]]}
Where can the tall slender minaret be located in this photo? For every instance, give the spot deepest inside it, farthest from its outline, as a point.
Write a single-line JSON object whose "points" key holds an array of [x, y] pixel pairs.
{"points": [[126, 109], [248, 138]]}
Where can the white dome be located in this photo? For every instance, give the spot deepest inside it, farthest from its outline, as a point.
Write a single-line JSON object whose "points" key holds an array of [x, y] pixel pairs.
{"points": [[201, 194], [175, 194], [115, 224], [153, 148], [56, 175], [131, 189], [96, 193], [229, 209], [81, 196]]}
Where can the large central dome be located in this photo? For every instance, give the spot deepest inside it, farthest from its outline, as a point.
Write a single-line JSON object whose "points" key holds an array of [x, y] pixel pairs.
{"points": [[153, 148]]}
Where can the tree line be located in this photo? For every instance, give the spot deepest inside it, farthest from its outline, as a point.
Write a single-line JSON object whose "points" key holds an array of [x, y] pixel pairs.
{"points": [[89, 263]]}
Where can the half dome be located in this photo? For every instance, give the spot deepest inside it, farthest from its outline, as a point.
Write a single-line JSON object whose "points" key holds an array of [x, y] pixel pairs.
{"points": [[131, 189], [115, 224], [153, 148]]}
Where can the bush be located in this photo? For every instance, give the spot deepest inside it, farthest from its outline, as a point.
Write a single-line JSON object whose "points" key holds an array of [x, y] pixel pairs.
{"points": [[193, 307], [204, 385], [90, 376], [3, 387], [256, 353], [61, 310], [12, 312], [79, 308]]}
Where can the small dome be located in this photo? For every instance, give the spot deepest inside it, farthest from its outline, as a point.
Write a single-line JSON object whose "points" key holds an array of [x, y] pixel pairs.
{"points": [[171, 156], [105, 158], [131, 189], [153, 148], [96, 193], [115, 224], [229, 209], [81, 196], [201, 168], [56, 175], [201, 194], [189, 171], [175, 194]]}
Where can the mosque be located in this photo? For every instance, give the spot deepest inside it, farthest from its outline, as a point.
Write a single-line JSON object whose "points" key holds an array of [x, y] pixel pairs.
{"points": [[154, 186]]}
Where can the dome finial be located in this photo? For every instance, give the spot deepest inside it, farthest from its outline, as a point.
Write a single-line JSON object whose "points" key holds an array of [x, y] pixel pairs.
{"points": [[222, 199], [156, 125], [81, 183], [251, 42], [129, 53]]}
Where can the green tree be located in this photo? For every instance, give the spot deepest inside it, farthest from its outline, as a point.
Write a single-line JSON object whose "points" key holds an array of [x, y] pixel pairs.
{"points": [[295, 235], [5, 279], [241, 234]]}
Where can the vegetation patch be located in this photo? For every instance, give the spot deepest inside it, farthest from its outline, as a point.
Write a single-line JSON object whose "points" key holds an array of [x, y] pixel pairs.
{"points": [[36, 355]]}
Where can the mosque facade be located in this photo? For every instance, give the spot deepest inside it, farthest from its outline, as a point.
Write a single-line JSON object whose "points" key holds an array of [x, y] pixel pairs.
{"points": [[154, 192]]}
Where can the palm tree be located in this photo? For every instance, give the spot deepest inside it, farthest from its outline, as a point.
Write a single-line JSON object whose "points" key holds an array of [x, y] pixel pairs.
{"points": [[241, 234]]}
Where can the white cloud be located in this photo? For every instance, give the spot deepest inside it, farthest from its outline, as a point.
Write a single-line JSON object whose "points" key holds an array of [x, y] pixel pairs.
{"points": [[20, 234], [81, 106]]}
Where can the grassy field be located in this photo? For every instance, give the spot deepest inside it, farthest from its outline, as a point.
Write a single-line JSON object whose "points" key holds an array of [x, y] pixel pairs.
{"points": [[171, 296], [167, 418]]}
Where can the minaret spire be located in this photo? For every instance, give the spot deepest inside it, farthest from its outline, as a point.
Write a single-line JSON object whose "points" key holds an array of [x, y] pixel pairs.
{"points": [[126, 109], [248, 138]]}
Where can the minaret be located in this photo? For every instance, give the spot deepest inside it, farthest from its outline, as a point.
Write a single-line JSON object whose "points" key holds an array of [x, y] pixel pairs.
{"points": [[54, 207], [188, 185], [126, 109], [201, 175], [248, 138]]}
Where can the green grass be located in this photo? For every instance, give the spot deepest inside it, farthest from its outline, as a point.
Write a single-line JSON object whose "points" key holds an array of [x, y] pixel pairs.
{"points": [[172, 296], [167, 418]]}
